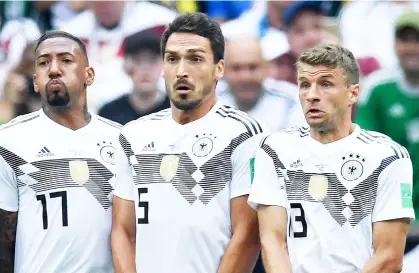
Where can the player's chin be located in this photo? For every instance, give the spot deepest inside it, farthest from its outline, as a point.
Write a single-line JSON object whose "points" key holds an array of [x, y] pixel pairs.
{"points": [[57, 100], [185, 103]]}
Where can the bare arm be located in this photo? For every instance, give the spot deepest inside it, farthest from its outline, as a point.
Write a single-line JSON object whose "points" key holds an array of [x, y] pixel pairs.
{"points": [[273, 235], [389, 240], [8, 224], [243, 249], [123, 235]]}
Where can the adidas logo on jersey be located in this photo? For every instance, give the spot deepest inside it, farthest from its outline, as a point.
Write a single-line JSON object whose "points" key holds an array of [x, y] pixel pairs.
{"points": [[297, 164], [149, 147], [44, 152]]}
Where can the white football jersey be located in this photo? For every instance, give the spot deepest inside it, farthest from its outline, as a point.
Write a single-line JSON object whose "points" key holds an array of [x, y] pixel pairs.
{"points": [[60, 181], [333, 193], [182, 178]]}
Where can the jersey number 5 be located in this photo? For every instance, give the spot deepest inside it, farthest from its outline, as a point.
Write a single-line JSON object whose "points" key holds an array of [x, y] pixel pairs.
{"points": [[301, 217], [43, 199], [144, 205]]}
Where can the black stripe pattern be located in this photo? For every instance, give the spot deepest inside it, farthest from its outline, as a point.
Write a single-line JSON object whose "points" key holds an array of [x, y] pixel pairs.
{"points": [[252, 126], [374, 137], [211, 178], [126, 146], [343, 205], [53, 174]]}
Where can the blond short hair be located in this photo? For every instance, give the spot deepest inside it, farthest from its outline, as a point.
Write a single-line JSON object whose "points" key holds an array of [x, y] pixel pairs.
{"points": [[332, 56]]}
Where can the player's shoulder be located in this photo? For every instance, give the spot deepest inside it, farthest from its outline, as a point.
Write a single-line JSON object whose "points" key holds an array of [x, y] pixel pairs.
{"points": [[19, 124], [108, 125], [153, 119], [288, 135], [382, 145], [239, 121]]}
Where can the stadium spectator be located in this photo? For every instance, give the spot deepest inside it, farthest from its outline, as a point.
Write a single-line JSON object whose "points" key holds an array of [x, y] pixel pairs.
{"points": [[390, 99], [103, 29], [142, 62], [19, 96], [366, 28], [248, 88], [305, 28]]}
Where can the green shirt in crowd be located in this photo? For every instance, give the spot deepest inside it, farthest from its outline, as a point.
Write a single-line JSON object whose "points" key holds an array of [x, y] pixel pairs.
{"points": [[389, 105]]}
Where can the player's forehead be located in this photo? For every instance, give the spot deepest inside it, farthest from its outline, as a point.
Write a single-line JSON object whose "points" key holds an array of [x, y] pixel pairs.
{"points": [[58, 45], [183, 43], [314, 72]]}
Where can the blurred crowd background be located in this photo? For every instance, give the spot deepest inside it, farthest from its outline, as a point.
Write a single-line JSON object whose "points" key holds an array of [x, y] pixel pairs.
{"points": [[264, 39]]}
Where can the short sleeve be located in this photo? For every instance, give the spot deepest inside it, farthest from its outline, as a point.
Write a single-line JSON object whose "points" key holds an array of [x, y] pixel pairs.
{"points": [[394, 193], [268, 187], [9, 194], [124, 185], [243, 163]]}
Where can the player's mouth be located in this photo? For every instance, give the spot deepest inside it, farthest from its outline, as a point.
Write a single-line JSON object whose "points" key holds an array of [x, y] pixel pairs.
{"points": [[183, 89], [55, 83], [314, 112]]}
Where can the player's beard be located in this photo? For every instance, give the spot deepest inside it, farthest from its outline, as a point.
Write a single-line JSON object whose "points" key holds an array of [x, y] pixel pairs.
{"points": [[184, 102], [55, 99]]}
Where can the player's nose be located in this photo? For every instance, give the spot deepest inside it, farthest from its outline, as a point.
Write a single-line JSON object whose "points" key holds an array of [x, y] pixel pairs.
{"points": [[181, 70], [313, 93], [54, 70]]}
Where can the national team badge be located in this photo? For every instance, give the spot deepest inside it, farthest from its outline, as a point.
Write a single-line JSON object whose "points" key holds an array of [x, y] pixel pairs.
{"points": [[168, 167], [352, 168], [107, 152], [318, 187], [79, 171], [203, 145]]}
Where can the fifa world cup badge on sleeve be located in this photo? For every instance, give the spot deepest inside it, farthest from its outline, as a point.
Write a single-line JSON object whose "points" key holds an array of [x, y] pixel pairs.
{"points": [[79, 171], [252, 169], [318, 187], [168, 167], [406, 194]]}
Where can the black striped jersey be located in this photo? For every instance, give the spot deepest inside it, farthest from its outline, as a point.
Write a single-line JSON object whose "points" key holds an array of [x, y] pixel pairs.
{"points": [[182, 178], [60, 181], [333, 194]]}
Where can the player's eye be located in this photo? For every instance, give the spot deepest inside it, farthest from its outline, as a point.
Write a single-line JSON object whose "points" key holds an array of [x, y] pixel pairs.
{"points": [[326, 84], [67, 61], [171, 59], [196, 59], [304, 85], [42, 63]]}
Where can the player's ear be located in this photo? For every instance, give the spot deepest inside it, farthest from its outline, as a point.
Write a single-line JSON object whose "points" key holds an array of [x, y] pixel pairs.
{"points": [[353, 93], [35, 85], [219, 70], [90, 75]]}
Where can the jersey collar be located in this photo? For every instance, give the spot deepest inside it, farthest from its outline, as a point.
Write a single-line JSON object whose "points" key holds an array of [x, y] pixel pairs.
{"points": [[56, 126], [203, 119], [344, 143]]}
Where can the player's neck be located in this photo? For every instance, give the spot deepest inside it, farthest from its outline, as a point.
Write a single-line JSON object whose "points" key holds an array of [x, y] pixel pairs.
{"points": [[184, 117], [73, 119], [329, 136]]}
